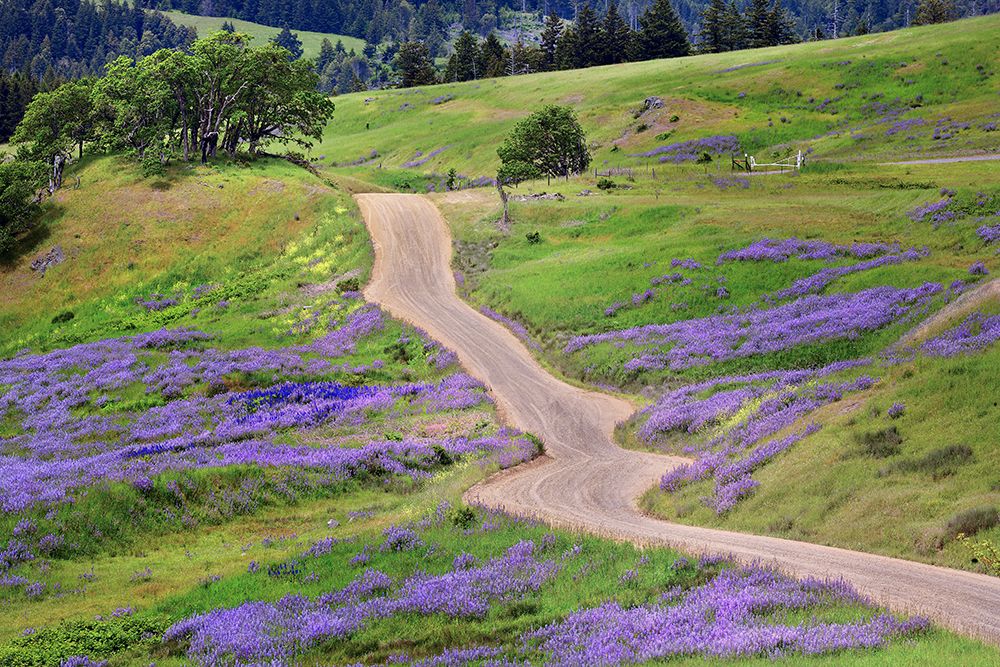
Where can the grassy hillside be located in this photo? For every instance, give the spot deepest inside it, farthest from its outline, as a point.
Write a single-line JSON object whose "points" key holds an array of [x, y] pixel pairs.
{"points": [[213, 451], [311, 41], [224, 429], [197, 226], [842, 99], [650, 252]]}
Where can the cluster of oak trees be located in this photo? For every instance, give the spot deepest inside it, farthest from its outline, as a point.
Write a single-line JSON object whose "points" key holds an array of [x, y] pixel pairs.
{"points": [[222, 94]]}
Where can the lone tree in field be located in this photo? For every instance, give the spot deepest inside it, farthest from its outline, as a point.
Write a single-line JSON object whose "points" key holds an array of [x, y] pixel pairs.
{"points": [[549, 142]]}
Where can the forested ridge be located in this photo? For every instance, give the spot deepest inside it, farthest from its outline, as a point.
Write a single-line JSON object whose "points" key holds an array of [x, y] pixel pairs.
{"points": [[46, 42], [43, 43], [430, 20]]}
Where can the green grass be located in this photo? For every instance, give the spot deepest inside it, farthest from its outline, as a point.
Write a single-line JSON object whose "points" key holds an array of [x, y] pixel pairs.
{"points": [[178, 588], [604, 248], [311, 41], [254, 231], [750, 102]]}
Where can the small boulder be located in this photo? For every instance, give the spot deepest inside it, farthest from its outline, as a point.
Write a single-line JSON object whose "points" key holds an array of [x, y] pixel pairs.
{"points": [[653, 103], [43, 263]]}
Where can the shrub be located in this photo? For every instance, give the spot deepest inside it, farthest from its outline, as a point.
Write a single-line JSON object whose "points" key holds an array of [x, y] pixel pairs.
{"points": [[606, 184], [153, 166], [971, 521], [463, 517], [533, 237], [984, 552], [642, 127], [938, 463], [98, 639], [880, 444], [63, 317], [349, 285], [674, 118]]}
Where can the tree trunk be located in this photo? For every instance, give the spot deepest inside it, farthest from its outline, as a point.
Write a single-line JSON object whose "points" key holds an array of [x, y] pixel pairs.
{"points": [[56, 180], [504, 222]]}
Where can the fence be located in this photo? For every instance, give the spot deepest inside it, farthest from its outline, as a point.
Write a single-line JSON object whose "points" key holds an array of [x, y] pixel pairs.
{"points": [[750, 164]]}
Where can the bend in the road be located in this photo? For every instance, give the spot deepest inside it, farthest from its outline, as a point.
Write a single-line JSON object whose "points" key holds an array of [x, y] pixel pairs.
{"points": [[587, 482]]}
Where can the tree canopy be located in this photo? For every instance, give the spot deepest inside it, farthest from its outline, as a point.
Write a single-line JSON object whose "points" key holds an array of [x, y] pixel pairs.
{"points": [[549, 142], [224, 93], [19, 180]]}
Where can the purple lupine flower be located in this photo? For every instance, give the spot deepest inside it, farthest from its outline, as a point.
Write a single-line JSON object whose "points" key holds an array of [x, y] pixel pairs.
{"points": [[978, 269]]}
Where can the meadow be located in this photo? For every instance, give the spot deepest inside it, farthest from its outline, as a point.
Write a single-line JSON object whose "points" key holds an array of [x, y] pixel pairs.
{"points": [[214, 451], [236, 456], [890, 95], [678, 273], [311, 41]]}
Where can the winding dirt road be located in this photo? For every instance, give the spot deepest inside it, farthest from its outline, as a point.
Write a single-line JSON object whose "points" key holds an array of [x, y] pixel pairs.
{"points": [[585, 481]]}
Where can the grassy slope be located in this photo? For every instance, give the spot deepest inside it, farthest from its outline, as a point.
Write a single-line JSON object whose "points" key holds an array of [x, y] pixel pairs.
{"points": [[774, 83], [197, 232], [311, 41], [606, 247], [126, 237]]}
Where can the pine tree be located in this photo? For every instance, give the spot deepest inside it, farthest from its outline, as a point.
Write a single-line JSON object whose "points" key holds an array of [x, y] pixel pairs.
{"points": [[463, 65], [712, 36], [934, 11], [566, 49], [493, 56], [227, 26], [413, 63], [758, 24], [589, 48], [780, 27], [290, 41], [550, 39], [326, 55], [661, 32], [734, 28], [616, 37]]}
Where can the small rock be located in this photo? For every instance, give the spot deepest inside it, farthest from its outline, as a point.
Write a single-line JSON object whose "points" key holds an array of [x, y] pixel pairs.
{"points": [[585, 193], [332, 523], [653, 103], [43, 263]]}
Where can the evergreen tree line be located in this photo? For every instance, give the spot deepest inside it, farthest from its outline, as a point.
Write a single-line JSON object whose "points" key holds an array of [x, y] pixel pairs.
{"points": [[590, 40], [427, 22], [46, 42], [725, 27]]}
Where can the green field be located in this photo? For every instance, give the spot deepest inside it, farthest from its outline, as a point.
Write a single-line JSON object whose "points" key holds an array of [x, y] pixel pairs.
{"points": [[605, 248], [266, 259], [311, 41], [934, 72]]}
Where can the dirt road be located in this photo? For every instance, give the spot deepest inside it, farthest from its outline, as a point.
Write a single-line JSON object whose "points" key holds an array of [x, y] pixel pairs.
{"points": [[948, 160], [585, 481]]}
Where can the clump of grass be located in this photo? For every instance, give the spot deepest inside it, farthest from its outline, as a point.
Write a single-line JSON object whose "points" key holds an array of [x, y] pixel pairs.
{"points": [[938, 463], [971, 521], [880, 444]]}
